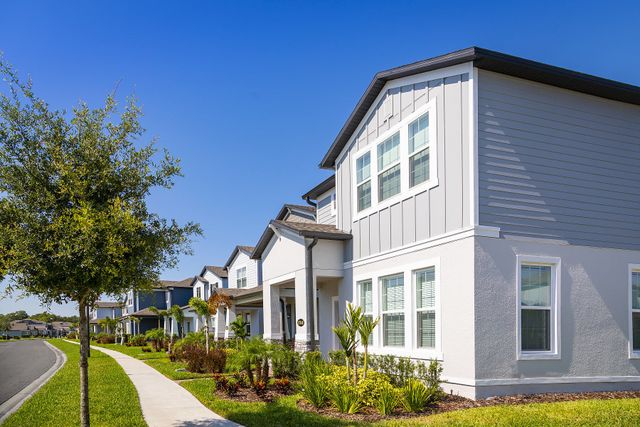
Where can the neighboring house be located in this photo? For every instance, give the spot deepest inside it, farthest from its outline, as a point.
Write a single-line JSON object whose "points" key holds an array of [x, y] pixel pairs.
{"points": [[29, 327], [102, 310], [485, 207], [138, 318], [211, 278], [61, 329], [245, 289]]}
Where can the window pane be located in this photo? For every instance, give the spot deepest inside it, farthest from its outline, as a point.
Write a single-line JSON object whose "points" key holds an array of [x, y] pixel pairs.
{"points": [[419, 133], [536, 285], [363, 167], [636, 331], [419, 168], [364, 196], [426, 288], [389, 183], [393, 326], [427, 329], [635, 290], [366, 296], [389, 151], [393, 293], [536, 331]]}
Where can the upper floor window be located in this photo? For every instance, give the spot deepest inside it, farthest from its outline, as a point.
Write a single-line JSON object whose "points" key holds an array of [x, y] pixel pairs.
{"points": [[241, 277], [403, 160], [419, 151], [389, 167], [363, 179], [634, 341], [198, 292], [538, 314]]}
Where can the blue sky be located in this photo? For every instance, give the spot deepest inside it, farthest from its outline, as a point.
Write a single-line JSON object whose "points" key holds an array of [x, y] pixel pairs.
{"points": [[249, 95]]}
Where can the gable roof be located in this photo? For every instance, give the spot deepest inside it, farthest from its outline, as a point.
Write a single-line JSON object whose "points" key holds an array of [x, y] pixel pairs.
{"points": [[184, 283], [487, 60], [246, 249], [307, 211], [218, 271], [305, 229], [321, 188], [108, 304]]}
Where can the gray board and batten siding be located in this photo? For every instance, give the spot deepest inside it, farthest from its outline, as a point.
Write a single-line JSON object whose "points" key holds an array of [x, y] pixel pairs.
{"points": [[558, 164], [427, 214]]}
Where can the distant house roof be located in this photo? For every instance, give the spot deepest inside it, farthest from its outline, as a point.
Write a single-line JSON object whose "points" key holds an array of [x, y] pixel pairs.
{"points": [[321, 188], [218, 271], [246, 249], [184, 283], [487, 60], [108, 304], [306, 211], [198, 278], [143, 312], [18, 325], [321, 231]]}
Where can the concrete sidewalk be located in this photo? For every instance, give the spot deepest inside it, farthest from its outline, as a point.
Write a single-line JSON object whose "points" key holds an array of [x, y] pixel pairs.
{"points": [[165, 403]]}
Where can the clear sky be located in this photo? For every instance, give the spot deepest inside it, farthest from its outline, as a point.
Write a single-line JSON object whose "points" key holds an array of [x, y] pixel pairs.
{"points": [[249, 95]]}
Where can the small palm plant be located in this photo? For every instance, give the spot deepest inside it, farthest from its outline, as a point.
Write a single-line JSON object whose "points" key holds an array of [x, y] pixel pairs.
{"points": [[352, 320], [348, 345], [201, 308], [108, 324], [178, 316], [239, 328], [365, 329]]}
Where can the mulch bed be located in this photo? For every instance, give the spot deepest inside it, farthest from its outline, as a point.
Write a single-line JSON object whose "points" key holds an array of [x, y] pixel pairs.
{"points": [[453, 403], [249, 396]]}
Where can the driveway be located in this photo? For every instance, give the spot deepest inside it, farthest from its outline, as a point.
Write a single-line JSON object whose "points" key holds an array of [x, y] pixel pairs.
{"points": [[21, 363]]}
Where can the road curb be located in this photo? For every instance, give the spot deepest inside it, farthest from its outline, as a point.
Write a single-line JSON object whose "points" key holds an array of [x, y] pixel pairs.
{"points": [[15, 402]]}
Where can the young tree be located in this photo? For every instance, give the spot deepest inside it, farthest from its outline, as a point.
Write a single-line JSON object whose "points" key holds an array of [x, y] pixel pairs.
{"points": [[215, 302], [74, 220], [365, 329], [160, 313], [239, 328], [108, 324], [201, 308], [178, 315]]}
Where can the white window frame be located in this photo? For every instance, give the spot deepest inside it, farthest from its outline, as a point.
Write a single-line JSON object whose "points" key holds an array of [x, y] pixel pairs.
{"points": [[390, 166], [633, 268], [364, 181], [364, 311], [241, 279], [415, 151], [198, 292], [556, 273], [436, 351], [384, 312], [372, 148]]}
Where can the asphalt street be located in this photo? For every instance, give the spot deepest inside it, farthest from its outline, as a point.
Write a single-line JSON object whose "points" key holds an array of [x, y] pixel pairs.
{"points": [[21, 362]]}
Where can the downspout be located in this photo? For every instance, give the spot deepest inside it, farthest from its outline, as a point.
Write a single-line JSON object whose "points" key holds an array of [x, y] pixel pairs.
{"points": [[309, 202], [310, 298]]}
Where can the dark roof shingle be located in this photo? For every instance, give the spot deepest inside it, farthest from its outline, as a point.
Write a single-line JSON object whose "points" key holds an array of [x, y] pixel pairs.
{"points": [[218, 271]]}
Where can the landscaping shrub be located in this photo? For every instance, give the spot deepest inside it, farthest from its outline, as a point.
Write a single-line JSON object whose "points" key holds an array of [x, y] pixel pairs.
{"points": [[137, 340], [215, 361], [285, 362], [157, 337], [232, 387], [220, 381], [417, 395], [146, 349], [282, 385], [260, 387], [242, 379], [194, 356], [72, 335], [314, 388], [339, 358], [345, 398], [389, 398], [104, 338]]}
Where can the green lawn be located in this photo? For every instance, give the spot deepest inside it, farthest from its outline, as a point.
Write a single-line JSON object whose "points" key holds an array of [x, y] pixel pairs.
{"points": [[168, 369], [134, 351], [284, 412], [113, 399]]}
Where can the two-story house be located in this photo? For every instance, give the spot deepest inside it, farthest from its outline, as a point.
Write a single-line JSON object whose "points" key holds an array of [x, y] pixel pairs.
{"points": [[136, 315], [102, 310], [485, 208], [210, 279]]}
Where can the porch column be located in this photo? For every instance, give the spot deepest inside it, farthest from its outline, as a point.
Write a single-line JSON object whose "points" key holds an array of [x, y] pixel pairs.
{"points": [[218, 324], [304, 305], [272, 313], [231, 316]]}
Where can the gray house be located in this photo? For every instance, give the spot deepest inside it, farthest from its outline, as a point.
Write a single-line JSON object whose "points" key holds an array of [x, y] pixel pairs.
{"points": [[485, 207]]}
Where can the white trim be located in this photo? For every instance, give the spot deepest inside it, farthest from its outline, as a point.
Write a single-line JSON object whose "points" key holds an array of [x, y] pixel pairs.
{"points": [[452, 236], [401, 128], [633, 354], [409, 349], [474, 173], [281, 279], [556, 272], [539, 380]]}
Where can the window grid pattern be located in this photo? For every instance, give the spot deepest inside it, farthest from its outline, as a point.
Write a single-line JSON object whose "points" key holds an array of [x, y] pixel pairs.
{"points": [[363, 178], [419, 151], [425, 283], [535, 306], [393, 310], [389, 167], [241, 277]]}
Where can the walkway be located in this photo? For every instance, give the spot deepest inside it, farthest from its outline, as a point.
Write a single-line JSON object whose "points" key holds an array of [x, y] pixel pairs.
{"points": [[165, 403]]}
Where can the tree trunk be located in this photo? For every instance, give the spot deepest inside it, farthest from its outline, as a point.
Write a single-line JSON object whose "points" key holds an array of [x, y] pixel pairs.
{"points": [[364, 376], [88, 333], [84, 365], [355, 368], [206, 333]]}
